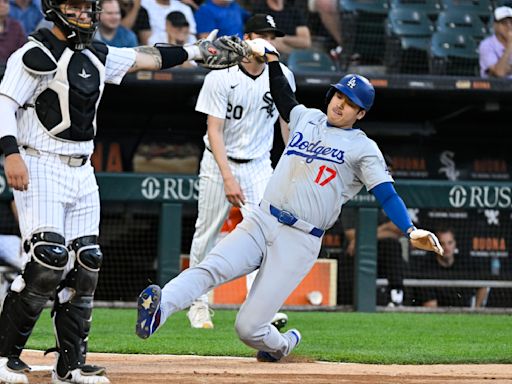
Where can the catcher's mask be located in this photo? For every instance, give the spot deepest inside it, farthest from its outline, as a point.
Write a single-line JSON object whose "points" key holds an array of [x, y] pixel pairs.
{"points": [[356, 87], [77, 33]]}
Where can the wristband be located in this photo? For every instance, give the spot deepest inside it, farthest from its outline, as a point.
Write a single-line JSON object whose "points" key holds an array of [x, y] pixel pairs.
{"points": [[172, 56], [9, 145]]}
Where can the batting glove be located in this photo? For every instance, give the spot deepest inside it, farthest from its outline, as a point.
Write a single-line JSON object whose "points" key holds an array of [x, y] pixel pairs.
{"points": [[423, 239], [260, 47]]}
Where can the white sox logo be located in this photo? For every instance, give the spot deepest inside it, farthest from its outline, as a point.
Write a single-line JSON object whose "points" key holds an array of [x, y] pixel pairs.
{"points": [[449, 169], [352, 82], [271, 21], [269, 107]]}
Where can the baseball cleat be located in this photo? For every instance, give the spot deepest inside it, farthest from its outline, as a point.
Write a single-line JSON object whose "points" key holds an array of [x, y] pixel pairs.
{"points": [[279, 320], [200, 316], [12, 370], [148, 311], [294, 337], [80, 376]]}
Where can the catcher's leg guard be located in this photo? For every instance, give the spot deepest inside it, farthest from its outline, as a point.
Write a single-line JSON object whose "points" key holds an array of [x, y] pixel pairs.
{"points": [[30, 292], [72, 314]]}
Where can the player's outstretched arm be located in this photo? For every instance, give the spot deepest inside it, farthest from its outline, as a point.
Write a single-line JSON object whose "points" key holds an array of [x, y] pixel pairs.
{"points": [[211, 53], [395, 209], [15, 169]]}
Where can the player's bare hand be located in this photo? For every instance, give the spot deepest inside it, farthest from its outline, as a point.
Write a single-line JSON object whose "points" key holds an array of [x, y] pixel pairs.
{"points": [[234, 193], [16, 172], [261, 48], [423, 239]]}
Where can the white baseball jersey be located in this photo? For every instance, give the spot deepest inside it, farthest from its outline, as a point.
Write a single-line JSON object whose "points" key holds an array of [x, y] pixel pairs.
{"points": [[244, 101], [322, 167], [24, 88]]}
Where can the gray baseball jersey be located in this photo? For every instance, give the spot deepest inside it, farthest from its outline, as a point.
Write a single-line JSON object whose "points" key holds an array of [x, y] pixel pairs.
{"points": [[322, 167]]}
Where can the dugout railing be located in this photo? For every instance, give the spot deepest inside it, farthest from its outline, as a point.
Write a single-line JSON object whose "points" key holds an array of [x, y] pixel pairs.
{"points": [[171, 192]]}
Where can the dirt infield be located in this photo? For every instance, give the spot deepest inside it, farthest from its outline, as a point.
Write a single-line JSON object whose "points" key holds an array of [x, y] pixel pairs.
{"points": [[159, 369]]}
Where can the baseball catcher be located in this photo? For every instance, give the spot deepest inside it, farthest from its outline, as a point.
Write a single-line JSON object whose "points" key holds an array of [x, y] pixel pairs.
{"points": [[49, 96]]}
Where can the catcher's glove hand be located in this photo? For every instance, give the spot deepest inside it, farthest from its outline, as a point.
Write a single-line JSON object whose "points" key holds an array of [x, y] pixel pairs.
{"points": [[422, 239], [222, 52]]}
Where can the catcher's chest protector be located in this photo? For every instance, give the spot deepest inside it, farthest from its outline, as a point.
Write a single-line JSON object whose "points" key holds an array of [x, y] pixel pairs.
{"points": [[67, 106]]}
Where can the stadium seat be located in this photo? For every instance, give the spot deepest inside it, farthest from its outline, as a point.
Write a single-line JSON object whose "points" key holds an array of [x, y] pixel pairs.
{"points": [[369, 6], [452, 53], [308, 60], [429, 7], [408, 34], [363, 30], [464, 23], [483, 8]]}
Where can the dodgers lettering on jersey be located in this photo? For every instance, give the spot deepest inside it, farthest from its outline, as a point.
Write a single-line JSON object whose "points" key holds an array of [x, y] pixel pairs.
{"points": [[24, 88], [245, 104], [323, 167], [314, 151]]}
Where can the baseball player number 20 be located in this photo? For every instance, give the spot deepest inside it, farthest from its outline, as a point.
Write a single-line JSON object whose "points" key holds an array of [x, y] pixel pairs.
{"points": [[237, 112], [325, 174]]}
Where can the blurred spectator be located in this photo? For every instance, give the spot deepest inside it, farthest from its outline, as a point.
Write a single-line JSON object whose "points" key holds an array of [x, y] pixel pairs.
{"points": [[12, 35], [329, 13], [192, 4], [27, 13], [159, 9], [135, 17], [225, 15], [446, 266], [110, 30], [177, 31], [496, 51], [291, 21]]}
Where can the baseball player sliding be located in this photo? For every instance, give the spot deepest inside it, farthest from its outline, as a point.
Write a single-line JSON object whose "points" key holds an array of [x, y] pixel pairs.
{"points": [[235, 167], [326, 162], [48, 101]]}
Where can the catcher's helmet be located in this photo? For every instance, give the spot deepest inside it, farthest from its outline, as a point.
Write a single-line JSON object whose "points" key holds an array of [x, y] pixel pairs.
{"points": [[356, 87], [79, 34]]}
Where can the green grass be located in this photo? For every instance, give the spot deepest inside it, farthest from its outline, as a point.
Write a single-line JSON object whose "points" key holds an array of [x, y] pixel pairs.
{"points": [[330, 336]]}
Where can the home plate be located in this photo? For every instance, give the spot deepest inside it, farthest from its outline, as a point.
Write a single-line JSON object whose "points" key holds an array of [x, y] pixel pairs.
{"points": [[37, 368]]}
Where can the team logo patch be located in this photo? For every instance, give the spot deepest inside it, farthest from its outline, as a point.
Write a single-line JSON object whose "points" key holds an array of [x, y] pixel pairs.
{"points": [[314, 150], [269, 105], [352, 82], [271, 21], [84, 75]]}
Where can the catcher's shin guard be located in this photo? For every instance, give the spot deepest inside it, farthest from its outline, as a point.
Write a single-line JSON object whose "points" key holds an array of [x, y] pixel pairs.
{"points": [[30, 291], [72, 312]]}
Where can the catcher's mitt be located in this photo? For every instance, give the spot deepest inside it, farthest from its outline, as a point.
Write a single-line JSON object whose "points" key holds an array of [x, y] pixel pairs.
{"points": [[222, 52]]}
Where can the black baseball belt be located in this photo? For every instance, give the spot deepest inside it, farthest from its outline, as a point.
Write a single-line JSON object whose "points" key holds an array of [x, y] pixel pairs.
{"points": [[238, 161]]}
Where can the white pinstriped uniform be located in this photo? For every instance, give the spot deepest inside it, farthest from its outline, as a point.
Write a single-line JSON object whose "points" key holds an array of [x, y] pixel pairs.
{"points": [[250, 114], [60, 198]]}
